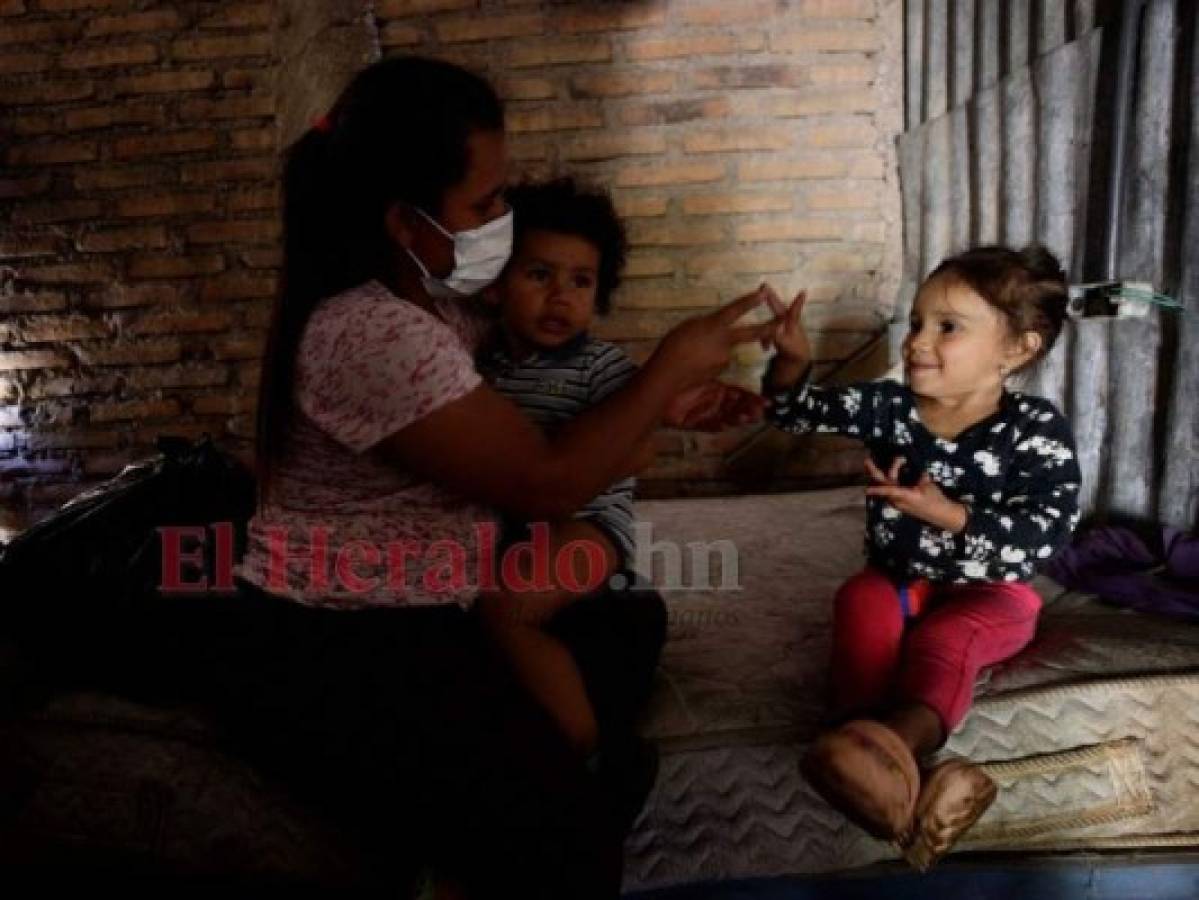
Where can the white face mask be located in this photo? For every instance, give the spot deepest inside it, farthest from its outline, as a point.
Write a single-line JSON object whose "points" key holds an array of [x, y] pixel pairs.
{"points": [[480, 254]]}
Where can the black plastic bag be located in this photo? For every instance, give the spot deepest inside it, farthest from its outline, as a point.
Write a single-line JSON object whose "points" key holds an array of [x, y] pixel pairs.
{"points": [[81, 591]]}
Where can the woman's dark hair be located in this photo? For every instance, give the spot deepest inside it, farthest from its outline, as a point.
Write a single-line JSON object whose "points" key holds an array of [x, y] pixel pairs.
{"points": [[1027, 286], [563, 206], [398, 131]]}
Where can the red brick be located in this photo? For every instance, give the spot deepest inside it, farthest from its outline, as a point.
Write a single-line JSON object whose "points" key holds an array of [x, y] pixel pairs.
{"points": [[819, 102], [614, 146], [54, 329], [511, 88], [849, 37], [249, 79], [548, 119], [160, 20], [179, 323], [623, 17], [643, 175], [738, 139], [139, 410], [55, 153], [16, 246], [113, 55], [397, 34], [175, 266], [271, 258], [242, 347], [673, 112], [253, 139], [722, 12], [13, 360], [229, 170], [165, 204], [17, 63], [735, 202], [489, 27], [172, 82], [186, 375], [632, 207], [239, 286], [28, 302], [163, 144], [791, 230], [218, 405], [67, 273], [240, 15], [678, 234], [41, 33], [107, 116], [33, 124], [222, 47], [692, 45], [136, 237], [120, 177], [724, 262], [191, 431], [563, 51], [664, 295], [244, 231], [60, 211], [841, 198], [837, 9], [70, 5], [644, 265], [12, 7], [635, 325], [622, 84], [131, 353], [124, 296], [254, 199], [781, 169], [29, 186], [45, 93], [231, 108], [72, 440]]}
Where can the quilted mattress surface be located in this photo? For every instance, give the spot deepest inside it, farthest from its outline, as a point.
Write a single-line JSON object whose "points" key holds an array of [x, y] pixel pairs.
{"points": [[1092, 732]]}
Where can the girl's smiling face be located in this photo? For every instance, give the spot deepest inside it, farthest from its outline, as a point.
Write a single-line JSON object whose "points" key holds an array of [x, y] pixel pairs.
{"points": [[958, 346], [547, 292]]}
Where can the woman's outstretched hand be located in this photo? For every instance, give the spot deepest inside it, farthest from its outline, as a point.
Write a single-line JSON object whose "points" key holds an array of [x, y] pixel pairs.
{"points": [[713, 406], [697, 350]]}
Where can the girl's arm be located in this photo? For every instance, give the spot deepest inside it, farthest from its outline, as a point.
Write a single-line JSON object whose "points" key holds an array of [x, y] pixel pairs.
{"points": [[855, 410], [1038, 508]]}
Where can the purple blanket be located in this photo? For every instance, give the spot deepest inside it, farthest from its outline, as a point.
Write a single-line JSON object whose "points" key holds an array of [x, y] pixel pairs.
{"points": [[1122, 567]]}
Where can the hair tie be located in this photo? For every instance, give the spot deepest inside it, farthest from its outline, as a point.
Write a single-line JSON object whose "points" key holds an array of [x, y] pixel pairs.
{"points": [[322, 124]]}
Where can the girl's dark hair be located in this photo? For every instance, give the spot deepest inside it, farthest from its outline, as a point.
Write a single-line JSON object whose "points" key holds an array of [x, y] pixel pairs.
{"points": [[564, 206], [1028, 286], [398, 132]]}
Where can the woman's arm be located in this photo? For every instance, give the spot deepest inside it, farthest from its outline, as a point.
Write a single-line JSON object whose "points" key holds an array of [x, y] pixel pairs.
{"points": [[482, 447]]}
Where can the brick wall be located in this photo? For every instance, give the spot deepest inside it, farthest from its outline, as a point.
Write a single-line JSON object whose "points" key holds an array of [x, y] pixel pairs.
{"points": [[138, 232], [139, 228]]}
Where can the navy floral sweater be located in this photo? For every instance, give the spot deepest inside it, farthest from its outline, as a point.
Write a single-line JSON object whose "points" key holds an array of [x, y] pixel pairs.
{"points": [[1015, 472]]}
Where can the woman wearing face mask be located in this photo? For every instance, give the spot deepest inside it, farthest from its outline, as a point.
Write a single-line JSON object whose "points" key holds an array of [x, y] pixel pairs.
{"points": [[352, 662]]}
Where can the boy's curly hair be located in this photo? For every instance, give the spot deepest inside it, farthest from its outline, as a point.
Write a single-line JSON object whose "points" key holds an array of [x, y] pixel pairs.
{"points": [[1028, 286], [564, 206]]}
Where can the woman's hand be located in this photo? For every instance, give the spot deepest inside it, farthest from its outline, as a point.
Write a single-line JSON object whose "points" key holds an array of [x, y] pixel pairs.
{"points": [[794, 351], [713, 406], [923, 501], [700, 348]]}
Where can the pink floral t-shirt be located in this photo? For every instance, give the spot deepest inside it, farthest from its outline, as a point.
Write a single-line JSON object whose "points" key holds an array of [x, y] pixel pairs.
{"points": [[345, 526]]}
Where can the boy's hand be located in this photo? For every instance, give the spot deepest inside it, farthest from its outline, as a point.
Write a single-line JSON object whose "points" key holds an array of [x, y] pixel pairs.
{"points": [[923, 501], [790, 340]]}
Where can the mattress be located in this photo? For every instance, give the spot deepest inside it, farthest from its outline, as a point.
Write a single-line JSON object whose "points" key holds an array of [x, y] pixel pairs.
{"points": [[1092, 731]]}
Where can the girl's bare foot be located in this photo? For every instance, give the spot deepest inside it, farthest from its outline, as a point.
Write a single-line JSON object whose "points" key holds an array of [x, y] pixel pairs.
{"points": [[865, 770], [955, 795]]}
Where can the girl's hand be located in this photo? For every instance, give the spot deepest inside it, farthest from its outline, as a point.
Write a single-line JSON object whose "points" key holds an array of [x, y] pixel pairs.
{"points": [[713, 406], [790, 340], [700, 348], [923, 501], [789, 337]]}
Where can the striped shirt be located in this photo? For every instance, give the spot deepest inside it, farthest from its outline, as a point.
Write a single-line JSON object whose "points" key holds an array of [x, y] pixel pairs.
{"points": [[554, 386]]}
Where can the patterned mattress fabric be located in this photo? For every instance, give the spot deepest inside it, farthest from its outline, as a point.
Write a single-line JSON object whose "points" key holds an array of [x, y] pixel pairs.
{"points": [[1092, 731]]}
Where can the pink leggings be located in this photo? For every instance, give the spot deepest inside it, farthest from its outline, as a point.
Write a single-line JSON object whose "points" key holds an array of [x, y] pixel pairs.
{"points": [[881, 657]]}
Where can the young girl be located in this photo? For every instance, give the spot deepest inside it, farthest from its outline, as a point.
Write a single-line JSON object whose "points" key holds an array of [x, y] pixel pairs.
{"points": [[974, 486]]}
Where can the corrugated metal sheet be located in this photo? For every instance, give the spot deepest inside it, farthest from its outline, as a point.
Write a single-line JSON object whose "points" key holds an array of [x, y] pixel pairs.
{"points": [[1009, 139]]}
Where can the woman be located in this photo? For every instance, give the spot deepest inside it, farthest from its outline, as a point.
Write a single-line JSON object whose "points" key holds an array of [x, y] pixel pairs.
{"points": [[353, 662]]}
